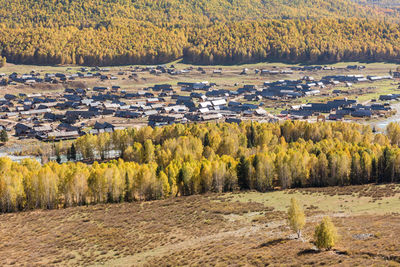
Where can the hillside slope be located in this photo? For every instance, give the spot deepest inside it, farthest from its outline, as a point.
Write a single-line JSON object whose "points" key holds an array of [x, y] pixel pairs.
{"points": [[118, 32], [94, 13], [239, 229], [386, 4]]}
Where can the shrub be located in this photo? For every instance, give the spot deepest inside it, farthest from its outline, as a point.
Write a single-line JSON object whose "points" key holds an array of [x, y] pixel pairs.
{"points": [[325, 234]]}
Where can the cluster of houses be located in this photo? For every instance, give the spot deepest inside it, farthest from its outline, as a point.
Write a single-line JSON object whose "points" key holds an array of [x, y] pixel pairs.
{"points": [[35, 77], [389, 97], [65, 115], [276, 71], [350, 79], [307, 86], [104, 73], [72, 113], [157, 70], [338, 109]]}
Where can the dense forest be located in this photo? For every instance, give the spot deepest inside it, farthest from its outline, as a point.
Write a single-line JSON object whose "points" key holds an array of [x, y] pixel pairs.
{"points": [[154, 163], [390, 4], [118, 32], [98, 13], [324, 40]]}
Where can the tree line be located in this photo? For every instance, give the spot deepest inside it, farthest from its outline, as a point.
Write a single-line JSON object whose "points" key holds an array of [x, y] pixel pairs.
{"points": [[140, 42], [154, 163]]}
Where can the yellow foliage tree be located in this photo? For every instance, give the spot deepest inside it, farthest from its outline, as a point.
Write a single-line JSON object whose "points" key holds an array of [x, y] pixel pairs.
{"points": [[296, 217], [325, 234]]}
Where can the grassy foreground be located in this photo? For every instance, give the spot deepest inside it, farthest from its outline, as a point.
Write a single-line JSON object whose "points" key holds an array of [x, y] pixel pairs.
{"points": [[217, 229]]}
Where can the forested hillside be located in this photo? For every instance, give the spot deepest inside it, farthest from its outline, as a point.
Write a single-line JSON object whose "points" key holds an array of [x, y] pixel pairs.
{"points": [[191, 159], [324, 40], [113, 32], [390, 5], [96, 13]]}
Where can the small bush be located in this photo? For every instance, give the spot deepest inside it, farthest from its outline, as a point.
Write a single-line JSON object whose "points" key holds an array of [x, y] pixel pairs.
{"points": [[325, 234]]}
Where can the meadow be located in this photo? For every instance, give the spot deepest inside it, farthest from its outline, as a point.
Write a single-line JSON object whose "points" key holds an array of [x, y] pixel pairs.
{"points": [[239, 229]]}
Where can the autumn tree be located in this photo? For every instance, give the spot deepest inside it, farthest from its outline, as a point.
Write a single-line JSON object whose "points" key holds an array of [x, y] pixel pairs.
{"points": [[3, 61], [172, 161], [296, 218], [325, 234]]}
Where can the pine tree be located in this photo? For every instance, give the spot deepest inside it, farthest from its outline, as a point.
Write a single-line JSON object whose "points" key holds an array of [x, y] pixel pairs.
{"points": [[73, 152], [251, 136], [374, 170], [69, 154], [296, 217], [128, 190], [243, 174], [384, 165]]}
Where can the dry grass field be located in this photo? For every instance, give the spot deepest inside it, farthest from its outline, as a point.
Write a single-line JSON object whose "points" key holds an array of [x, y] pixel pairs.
{"points": [[236, 229]]}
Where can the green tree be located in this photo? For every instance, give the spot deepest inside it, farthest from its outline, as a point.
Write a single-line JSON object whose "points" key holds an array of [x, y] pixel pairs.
{"points": [[243, 173], [73, 152], [3, 136]]}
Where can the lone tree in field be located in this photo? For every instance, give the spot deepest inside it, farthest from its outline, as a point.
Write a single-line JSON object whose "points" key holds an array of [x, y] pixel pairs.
{"points": [[296, 217], [325, 234]]}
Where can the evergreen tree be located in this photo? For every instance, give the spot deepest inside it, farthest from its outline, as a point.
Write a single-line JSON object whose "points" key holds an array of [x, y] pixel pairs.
{"points": [[385, 166], [128, 190], [69, 154], [243, 174], [58, 159], [251, 136], [374, 170], [73, 152], [3, 136]]}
